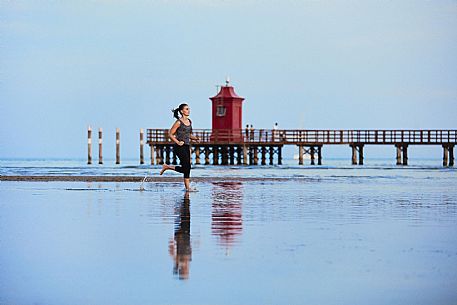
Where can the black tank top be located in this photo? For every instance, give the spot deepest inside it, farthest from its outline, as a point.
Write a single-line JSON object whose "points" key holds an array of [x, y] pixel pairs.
{"points": [[183, 132]]}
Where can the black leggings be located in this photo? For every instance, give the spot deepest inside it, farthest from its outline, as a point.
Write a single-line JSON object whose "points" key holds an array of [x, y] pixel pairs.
{"points": [[183, 153]]}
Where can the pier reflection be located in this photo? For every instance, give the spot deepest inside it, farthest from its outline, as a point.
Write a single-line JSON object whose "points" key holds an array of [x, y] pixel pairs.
{"points": [[180, 248], [226, 215]]}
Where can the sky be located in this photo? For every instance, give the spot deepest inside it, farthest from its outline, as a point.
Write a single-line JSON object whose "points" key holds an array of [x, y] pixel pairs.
{"points": [[65, 65]]}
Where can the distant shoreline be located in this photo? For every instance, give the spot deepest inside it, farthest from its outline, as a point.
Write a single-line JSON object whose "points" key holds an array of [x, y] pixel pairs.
{"points": [[43, 178]]}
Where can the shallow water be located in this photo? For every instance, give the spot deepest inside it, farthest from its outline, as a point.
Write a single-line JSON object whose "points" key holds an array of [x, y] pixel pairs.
{"points": [[335, 235]]}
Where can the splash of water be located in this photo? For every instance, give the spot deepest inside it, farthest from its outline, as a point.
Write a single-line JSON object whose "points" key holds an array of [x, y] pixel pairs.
{"points": [[142, 183]]}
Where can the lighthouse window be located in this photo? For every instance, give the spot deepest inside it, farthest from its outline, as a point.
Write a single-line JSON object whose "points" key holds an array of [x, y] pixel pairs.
{"points": [[220, 111]]}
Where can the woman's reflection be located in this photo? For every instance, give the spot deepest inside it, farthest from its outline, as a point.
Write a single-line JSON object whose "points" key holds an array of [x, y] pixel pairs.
{"points": [[180, 248]]}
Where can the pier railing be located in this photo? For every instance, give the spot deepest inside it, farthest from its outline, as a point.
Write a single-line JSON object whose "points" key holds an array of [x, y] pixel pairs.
{"points": [[314, 137]]}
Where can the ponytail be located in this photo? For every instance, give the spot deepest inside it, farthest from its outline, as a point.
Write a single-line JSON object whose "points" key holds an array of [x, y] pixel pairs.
{"points": [[177, 111]]}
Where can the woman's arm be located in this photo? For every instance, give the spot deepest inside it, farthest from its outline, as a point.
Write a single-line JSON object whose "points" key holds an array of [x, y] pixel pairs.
{"points": [[194, 138], [172, 131]]}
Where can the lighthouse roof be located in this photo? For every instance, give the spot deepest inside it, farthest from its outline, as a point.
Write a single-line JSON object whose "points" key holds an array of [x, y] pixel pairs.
{"points": [[227, 92]]}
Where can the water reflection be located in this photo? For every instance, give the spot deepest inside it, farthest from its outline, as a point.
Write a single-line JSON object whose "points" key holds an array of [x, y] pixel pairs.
{"points": [[226, 215], [180, 248]]}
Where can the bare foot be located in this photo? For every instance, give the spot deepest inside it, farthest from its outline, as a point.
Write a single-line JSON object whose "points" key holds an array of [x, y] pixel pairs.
{"points": [[164, 168]]}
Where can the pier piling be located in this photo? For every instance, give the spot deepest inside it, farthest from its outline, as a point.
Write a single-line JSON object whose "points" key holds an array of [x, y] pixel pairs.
{"points": [[141, 146], [311, 153], [451, 155], [152, 154], [245, 155], [361, 155], [100, 144], [89, 145], [398, 154], [354, 155], [445, 155], [197, 155], [405, 154], [118, 146]]}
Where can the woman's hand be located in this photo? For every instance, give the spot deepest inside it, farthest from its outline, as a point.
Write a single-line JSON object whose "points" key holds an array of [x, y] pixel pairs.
{"points": [[181, 143], [197, 139]]}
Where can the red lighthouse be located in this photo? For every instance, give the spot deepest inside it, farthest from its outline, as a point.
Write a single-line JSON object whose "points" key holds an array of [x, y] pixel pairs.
{"points": [[227, 112]]}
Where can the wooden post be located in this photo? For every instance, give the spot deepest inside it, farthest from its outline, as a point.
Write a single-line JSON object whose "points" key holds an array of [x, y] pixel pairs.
{"points": [[197, 155], [89, 145], [398, 154], [167, 154], [100, 143], [159, 154], [141, 146], [215, 155], [238, 155], [311, 152], [256, 158], [405, 154], [272, 153], [173, 156], [245, 154], [445, 155], [279, 155], [354, 154], [300, 155], [152, 154], [319, 155], [232, 154], [451, 155], [264, 155], [207, 155], [360, 154], [118, 146]]}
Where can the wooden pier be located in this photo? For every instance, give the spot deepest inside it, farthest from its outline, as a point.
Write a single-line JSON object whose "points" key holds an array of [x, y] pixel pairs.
{"points": [[251, 147]]}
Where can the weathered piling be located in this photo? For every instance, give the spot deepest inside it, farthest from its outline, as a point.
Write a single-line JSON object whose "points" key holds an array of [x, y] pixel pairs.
{"points": [[311, 153], [398, 154], [118, 146], [357, 151], [405, 154], [100, 146], [245, 155], [300, 155], [197, 155], [445, 155], [361, 155], [451, 155], [141, 146], [207, 155], [354, 155], [152, 154], [271, 154], [319, 155], [89, 145]]}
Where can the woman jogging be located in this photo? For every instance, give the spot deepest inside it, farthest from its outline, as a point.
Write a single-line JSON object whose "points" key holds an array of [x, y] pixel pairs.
{"points": [[181, 134]]}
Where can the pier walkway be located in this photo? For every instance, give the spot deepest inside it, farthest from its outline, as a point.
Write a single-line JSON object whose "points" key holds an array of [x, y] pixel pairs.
{"points": [[249, 146]]}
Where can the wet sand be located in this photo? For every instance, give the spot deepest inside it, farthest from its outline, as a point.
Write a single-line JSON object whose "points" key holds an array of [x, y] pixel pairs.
{"points": [[379, 239], [47, 178]]}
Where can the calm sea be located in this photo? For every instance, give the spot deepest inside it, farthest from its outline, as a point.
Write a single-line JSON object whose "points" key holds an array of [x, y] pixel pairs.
{"points": [[333, 234]]}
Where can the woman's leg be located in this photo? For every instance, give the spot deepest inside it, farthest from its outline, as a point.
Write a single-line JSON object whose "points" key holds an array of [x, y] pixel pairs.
{"points": [[166, 167], [183, 153], [185, 166]]}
